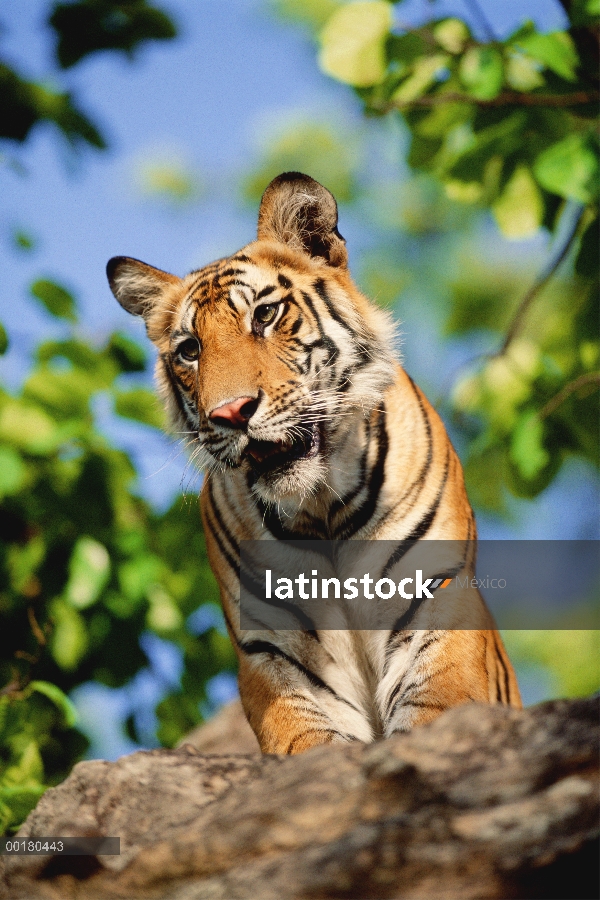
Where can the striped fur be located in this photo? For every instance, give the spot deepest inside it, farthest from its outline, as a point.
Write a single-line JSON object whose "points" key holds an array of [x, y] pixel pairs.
{"points": [[336, 442]]}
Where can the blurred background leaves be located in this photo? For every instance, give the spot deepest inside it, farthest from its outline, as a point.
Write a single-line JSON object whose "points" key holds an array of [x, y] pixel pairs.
{"points": [[462, 145]]}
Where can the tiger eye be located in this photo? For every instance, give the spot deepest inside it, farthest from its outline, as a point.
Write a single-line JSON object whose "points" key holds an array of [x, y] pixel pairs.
{"points": [[265, 314], [189, 350]]}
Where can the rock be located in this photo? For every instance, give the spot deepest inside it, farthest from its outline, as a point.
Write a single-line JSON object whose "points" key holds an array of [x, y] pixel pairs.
{"points": [[227, 732], [485, 802]]}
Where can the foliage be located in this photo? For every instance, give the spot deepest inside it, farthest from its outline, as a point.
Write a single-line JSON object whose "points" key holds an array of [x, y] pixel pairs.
{"points": [[85, 565], [510, 126], [80, 28], [572, 657]]}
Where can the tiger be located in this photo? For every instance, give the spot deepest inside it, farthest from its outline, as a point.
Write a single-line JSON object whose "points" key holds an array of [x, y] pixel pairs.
{"points": [[285, 380]]}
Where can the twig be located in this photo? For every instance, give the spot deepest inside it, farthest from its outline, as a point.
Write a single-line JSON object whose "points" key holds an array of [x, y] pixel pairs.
{"points": [[515, 98], [570, 388], [37, 631], [538, 285]]}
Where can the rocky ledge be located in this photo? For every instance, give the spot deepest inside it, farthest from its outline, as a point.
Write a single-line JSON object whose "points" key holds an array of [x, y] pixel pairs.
{"points": [[485, 802]]}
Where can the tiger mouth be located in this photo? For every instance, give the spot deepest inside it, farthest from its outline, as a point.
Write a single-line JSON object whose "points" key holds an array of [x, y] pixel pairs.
{"points": [[265, 456]]}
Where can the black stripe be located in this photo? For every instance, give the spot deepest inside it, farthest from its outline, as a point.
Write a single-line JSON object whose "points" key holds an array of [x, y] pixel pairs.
{"points": [[175, 390], [284, 282], [504, 669], [224, 551], [265, 292], [332, 731], [254, 647], [319, 286], [419, 531], [376, 478]]}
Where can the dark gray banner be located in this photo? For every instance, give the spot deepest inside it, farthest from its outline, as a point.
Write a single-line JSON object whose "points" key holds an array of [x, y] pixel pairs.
{"points": [[60, 846], [395, 585]]}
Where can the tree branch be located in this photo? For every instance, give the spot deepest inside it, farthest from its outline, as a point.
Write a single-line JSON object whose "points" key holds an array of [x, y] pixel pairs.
{"points": [[539, 284], [570, 388], [576, 98]]}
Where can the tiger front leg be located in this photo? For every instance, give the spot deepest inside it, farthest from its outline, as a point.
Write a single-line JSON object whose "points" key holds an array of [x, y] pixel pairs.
{"points": [[282, 710], [446, 669]]}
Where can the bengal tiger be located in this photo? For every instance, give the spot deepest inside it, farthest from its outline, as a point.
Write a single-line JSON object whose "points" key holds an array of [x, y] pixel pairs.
{"points": [[284, 378]]}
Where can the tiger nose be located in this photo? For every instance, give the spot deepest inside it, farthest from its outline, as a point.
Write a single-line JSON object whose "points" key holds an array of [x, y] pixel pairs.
{"points": [[235, 414]]}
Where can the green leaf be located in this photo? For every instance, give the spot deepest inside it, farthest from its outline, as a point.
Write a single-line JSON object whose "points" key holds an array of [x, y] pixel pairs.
{"points": [[481, 72], [127, 353], [57, 300], [69, 639], [13, 472], [424, 74], [569, 168], [19, 801], [556, 51], [523, 73], [89, 570], [353, 42], [3, 340], [28, 428], [87, 26], [141, 405], [65, 394], [23, 240], [451, 35], [519, 209], [24, 103], [527, 449], [60, 700]]}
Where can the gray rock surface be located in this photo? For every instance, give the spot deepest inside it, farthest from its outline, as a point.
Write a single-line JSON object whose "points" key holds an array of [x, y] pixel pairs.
{"points": [[227, 732], [485, 802]]}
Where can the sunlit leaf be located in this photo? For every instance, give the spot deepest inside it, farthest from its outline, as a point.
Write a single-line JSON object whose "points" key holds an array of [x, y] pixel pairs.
{"points": [[353, 42], [28, 428], [519, 209], [569, 168], [523, 73], [89, 569], [556, 51], [69, 639], [527, 449], [57, 300], [423, 75], [451, 35], [481, 71], [59, 698], [13, 472]]}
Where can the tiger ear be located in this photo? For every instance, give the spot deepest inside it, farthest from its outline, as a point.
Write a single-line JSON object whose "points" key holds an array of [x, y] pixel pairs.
{"points": [[136, 285], [300, 212]]}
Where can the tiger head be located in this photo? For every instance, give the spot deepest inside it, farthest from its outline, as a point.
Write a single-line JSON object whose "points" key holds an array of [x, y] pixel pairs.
{"points": [[264, 357]]}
